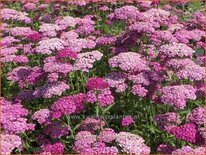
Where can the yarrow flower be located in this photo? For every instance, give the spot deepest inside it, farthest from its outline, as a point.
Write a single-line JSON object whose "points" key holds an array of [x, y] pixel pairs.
{"points": [[61, 62], [197, 116], [66, 21], [9, 40], [177, 95], [13, 118], [126, 12], [68, 105], [105, 98], [56, 130], [106, 40], [66, 53], [42, 116], [131, 143], [192, 72], [117, 80], [49, 46], [53, 77], [35, 37], [142, 27], [96, 83], [87, 143], [168, 117], [49, 29], [92, 125], [9, 142], [54, 65], [176, 49], [9, 14], [129, 61], [127, 120], [25, 75], [165, 149], [21, 59], [187, 132], [86, 60], [21, 31], [197, 20], [55, 148], [141, 78], [185, 36], [29, 6], [189, 150], [155, 15], [107, 135], [26, 95], [9, 50], [49, 90], [139, 90]]}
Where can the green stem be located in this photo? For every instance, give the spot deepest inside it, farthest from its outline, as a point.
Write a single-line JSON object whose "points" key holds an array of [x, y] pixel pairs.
{"points": [[69, 125], [97, 110]]}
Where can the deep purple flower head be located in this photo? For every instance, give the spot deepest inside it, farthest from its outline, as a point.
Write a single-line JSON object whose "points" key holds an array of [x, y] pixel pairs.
{"points": [[46, 18], [56, 130], [92, 124], [165, 149], [155, 2], [96, 83]]}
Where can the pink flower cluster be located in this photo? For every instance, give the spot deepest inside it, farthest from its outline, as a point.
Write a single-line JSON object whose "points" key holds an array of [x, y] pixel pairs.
{"points": [[13, 118], [87, 143], [197, 116], [131, 143], [177, 95], [10, 14], [187, 132], [68, 105], [127, 120]]}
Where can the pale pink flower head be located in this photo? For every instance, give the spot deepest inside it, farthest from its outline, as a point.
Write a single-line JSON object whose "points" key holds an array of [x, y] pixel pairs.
{"points": [[9, 142], [131, 143]]}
